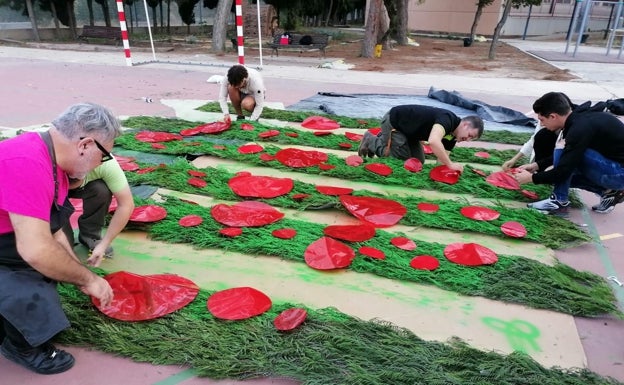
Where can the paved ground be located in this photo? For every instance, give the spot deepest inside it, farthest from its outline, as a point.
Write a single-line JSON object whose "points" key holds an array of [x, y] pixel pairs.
{"points": [[37, 84]]}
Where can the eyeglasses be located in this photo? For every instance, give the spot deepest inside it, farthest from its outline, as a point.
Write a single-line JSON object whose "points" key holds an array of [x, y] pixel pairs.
{"points": [[106, 156]]}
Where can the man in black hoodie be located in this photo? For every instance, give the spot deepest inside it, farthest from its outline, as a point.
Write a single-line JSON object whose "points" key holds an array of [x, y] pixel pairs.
{"points": [[589, 154]]}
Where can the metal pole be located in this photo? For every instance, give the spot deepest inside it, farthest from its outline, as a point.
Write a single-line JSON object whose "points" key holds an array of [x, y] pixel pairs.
{"points": [[259, 32], [149, 29], [239, 32], [526, 26], [572, 21], [583, 24], [609, 22]]}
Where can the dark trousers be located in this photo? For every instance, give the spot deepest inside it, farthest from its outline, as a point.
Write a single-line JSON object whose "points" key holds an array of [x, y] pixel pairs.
{"points": [[543, 147], [9, 331], [96, 198]]}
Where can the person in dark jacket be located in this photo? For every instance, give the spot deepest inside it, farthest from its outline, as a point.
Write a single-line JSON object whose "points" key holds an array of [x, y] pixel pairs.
{"points": [[589, 154]]}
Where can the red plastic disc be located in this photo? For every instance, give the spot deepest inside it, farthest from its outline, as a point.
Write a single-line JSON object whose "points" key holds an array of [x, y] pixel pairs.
{"points": [[374, 130], [219, 147], [129, 166], [321, 133], [190, 220], [326, 167], [428, 208], [300, 197], [147, 214], [124, 159], [403, 243], [245, 214], [156, 136], [351, 233], [289, 319], [514, 229], [251, 186], [345, 145], [293, 157], [268, 134], [284, 233], [379, 169], [266, 157], [141, 298], [190, 131], [372, 252], [413, 165], [479, 172], [482, 154], [320, 123], [354, 160], [444, 174], [158, 146], [469, 254], [250, 149], [427, 149], [327, 253], [238, 303], [145, 170], [503, 180], [247, 127], [354, 137], [214, 127], [197, 174], [379, 212], [530, 194], [333, 191], [243, 173], [425, 262], [231, 232], [196, 182], [292, 134], [479, 213]]}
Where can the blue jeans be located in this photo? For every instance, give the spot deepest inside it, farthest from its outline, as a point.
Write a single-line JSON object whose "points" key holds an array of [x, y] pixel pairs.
{"points": [[595, 174]]}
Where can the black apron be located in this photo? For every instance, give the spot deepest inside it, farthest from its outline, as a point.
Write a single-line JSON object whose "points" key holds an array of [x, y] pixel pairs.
{"points": [[29, 300]]}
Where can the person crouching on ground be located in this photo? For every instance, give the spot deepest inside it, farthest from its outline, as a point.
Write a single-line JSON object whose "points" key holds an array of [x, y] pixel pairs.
{"points": [[404, 127], [589, 154], [35, 169], [245, 88]]}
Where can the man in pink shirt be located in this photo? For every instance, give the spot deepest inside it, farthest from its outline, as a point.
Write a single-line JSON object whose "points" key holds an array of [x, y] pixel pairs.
{"points": [[35, 171]]}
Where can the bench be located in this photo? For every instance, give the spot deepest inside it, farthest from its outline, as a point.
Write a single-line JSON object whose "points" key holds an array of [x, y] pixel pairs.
{"points": [[100, 32], [319, 42]]}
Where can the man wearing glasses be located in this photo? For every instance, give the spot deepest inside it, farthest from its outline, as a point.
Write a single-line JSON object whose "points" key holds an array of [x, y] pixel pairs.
{"points": [[245, 88], [96, 192], [35, 169]]}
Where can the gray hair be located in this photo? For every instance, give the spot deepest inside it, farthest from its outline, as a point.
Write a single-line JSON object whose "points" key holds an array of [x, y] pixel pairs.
{"points": [[88, 119], [475, 122]]}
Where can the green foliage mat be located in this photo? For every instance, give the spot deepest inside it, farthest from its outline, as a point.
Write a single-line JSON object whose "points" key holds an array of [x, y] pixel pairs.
{"points": [[502, 136], [329, 348], [511, 279], [551, 231]]}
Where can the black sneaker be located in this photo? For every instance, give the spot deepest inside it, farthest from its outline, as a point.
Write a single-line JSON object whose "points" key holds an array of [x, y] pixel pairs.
{"points": [[550, 206], [90, 244], [608, 201], [364, 149], [45, 359]]}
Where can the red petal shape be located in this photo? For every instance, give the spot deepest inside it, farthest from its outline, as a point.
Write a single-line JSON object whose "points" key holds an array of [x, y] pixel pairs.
{"points": [[140, 298], [530, 194], [514, 229], [427, 149], [190, 131], [189, 201], [289, 319], [190, 220], [158, 146], [250, 149], [428, 208], [326, 167], [113, 205], [327, 253], [321, 133], [403, 243], [354, 137], [352, 233], [247, 127], [378, 212], [345, 145], [470, 254], [413, 165], [231, 232], [375, 130], [284, 233], [245, 214], [145, 170], [292, 134], [293, 157], [331, 190], [251, 186], [197, 174], [300, 197], [372, 252], [192, 143], [482, 154], [479, 172], [213, 128], [129, 166], [379, 169], [243, 173], [124, 159], [425, 262], [148, 213], [197, 182], [218, 147], [503, 180], [268, 134], [238, 303], [354, 160], [320, 123], [156, 136], [267, 157], [444, 174], [479, 213]]}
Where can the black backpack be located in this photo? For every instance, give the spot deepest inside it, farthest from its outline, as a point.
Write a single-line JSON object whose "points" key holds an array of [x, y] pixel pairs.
{"points": [[305, 40], [616, 106]]}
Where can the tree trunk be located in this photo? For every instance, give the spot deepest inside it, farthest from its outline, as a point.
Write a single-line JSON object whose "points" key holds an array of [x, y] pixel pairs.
{"points": [[329, 12], [90, 8], [71, 17], [219, 28], [57, 25], [401, 19], [105, 11], [475, 22], [33, 19], [372, 26], [497, 30], [168, 17]]}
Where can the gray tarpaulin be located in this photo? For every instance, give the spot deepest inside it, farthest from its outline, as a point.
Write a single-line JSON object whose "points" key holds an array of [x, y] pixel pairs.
{"points": [[376, 105]]}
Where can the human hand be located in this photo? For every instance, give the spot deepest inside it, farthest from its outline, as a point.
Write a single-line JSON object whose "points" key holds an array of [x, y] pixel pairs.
{"points": [[457, 167], [96, 256], [531, 167], [227, 119], [99, 288], [508, 165], [523, 176]]}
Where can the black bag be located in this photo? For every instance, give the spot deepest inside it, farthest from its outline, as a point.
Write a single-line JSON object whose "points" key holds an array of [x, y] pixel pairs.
{"points": [[305, 40], [616, 106]]}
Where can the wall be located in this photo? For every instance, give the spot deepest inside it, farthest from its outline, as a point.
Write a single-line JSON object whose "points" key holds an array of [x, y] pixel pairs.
{"points": [[452, 16]]}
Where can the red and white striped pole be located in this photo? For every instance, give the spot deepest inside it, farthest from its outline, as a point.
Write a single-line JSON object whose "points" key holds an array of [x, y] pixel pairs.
{"points": [[239, 32], [124, 31]]}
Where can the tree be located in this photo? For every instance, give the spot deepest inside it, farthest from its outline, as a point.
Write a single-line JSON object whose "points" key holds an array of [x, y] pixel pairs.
{"points": [[153, 4], [186, 9], [501, 22], [219, 27], [372, 28], [480, 5], [105, 11]]}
